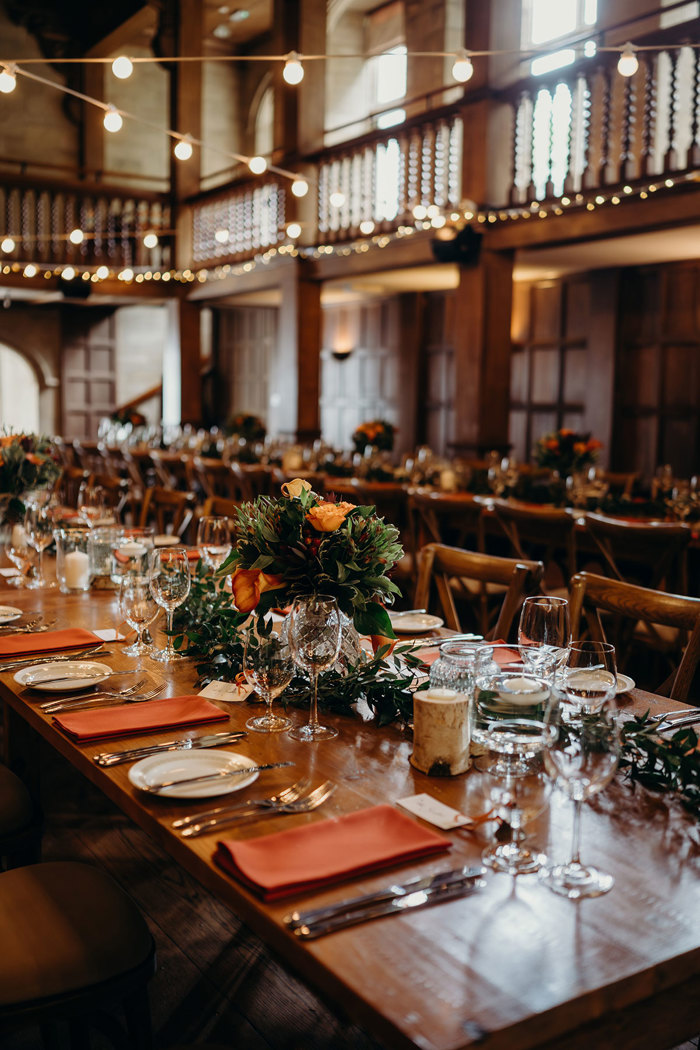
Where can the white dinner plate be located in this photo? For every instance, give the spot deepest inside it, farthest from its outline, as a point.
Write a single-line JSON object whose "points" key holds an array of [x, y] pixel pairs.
{"points": [[186, 764], [32, 677], [624, 683], [8, 613], [415, 623], [164, 540]]}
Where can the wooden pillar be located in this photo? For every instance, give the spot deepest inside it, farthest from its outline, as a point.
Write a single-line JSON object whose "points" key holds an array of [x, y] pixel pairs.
{"points": [[186, 98], [482, 353], [190, 362], [299, 111], [93, 132], [296, 377]]}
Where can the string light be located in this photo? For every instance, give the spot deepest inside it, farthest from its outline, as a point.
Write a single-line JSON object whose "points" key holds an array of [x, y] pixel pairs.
{"points": [[293, 71], [127, 274], [67, 273], [150, 240], [76, 236], [122, 67], [366, 226], [257, 165], [102, 273], [7, 245], [628, 64], [337, 199], [8, 78], [30, 270], [294, 230], [183, 148], [463, 68], [300, 187], [420, 212], [112, 119]]}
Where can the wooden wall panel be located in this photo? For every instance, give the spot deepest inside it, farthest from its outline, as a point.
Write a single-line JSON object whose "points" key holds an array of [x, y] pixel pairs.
{"points": [[88, 369]]}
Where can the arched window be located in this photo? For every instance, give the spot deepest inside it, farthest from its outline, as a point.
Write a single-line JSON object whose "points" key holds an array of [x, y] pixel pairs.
{"points": [[19, 392], [264, 124]]}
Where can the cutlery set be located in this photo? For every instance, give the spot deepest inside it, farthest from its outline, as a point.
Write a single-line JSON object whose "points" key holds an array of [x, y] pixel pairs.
{"points": [[672, 720], [200, 824], [33, 661], [116, 758], [135, 694]]}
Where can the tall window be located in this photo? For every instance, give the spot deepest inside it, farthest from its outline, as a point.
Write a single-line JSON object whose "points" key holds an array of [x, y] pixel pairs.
{"points": [[390, 84], [546, 21]]}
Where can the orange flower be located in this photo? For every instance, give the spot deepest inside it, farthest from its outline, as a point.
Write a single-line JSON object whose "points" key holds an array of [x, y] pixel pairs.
{"points": [[565, 432], [580, 448], [292, 489], [248, 584], [594, 444], [8, 439], [378, 640], [327, 517], [552, 444], [36, 460]]}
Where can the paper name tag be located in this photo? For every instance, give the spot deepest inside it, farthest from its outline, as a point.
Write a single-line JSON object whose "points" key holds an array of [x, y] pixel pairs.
{"points": [[108, 634], [230, 692], [428, 808]]}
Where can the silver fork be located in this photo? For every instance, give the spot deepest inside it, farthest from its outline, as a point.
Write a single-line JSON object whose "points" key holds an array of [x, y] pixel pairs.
{"points": [[285, 796], [103, 699], [302, 805]]}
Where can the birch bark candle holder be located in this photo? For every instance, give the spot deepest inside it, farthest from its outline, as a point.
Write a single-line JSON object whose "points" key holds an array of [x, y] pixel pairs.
{"points": [[441, 732]]}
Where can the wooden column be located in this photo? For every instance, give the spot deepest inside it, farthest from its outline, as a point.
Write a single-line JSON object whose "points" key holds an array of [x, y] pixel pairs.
{"points": [[186, 98], [482, 353], [297, 373], [190, 361], [299, 110]]}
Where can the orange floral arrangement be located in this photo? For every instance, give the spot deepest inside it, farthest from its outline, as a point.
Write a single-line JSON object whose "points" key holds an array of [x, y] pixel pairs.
{"points": [[300, 544], [377, 432], [27, 461], [566, 451]]}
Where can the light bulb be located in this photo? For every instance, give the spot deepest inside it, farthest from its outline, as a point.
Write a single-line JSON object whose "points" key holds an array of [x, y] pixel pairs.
{"points": [[8, 244], [67, 273], [126, 275], [420, 212], [76, 236], [257, 165], [627, 65], [112, 119], [30, 270], [462, 70], [300, 187], [293, 71], [366, 226], [8, 79], [293, 230], [150, 240], [337, 199], [122, 67], [221, 236], [183, 148], [102, 273]]}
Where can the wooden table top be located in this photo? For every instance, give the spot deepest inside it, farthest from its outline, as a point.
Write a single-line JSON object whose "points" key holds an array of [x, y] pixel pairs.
{"points": [[513, 966]]}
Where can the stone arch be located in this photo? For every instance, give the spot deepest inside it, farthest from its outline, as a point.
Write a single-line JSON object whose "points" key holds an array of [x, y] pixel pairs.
{"points": [[20, 406]]}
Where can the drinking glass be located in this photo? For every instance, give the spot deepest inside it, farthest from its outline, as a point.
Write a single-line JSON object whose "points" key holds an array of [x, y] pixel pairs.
{"points": [[590, 673], [314, 638], [214, 540], [517, 799], [170, 584], [38, 525], [92, 504], [20, 553], [581, 757], [268, 666], [139, 608], [544, 631]]}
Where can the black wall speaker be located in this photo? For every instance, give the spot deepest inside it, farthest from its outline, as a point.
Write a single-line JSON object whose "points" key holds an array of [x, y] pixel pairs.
{"points": [[76, 289], [463, 249]]}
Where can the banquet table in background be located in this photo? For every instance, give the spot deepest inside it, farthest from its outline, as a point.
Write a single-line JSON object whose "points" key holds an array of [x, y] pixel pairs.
{"points": [[512, 966]]}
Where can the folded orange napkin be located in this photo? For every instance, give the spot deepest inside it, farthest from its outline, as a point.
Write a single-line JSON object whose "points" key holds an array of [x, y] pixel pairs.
{"points": [[128, 719], [48, 642], [194, 554], [306, 858]]}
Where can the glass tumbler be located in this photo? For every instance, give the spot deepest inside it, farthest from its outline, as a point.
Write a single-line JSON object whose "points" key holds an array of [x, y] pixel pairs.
{"points": [[72, 560]]}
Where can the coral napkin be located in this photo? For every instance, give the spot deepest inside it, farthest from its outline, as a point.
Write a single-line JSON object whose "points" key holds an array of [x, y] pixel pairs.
{"points": [[306, 858], [47, 642], [128, 719]]}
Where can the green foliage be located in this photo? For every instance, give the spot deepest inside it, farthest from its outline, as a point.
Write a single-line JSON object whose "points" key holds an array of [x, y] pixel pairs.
{"points": [[27, 461], [668, 763]]}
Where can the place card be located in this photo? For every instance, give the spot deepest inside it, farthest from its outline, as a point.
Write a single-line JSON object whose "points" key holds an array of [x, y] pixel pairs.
{"points": [[433, 811], [108, 634], [229, 692], [9, 574]]}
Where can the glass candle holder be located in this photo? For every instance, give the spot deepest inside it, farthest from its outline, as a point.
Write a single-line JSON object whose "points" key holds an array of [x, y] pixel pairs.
{"points": [[72, 560], [130, 553], [101, 542]]}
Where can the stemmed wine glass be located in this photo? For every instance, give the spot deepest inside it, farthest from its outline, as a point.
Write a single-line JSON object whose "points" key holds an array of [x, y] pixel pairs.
{"points": [[544, 631], [170, 584], [19, 552], [214, 540], [139, 608], [38, 525], [92, 503], [268, 666], [581, 756], [314, 638], [517, 799]]}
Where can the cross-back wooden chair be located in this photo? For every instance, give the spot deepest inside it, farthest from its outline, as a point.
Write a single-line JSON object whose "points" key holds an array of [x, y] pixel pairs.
{"points": [[546, 532], [219, 507], [170, 512], [171, 468], [620, 483], [591, 594], [458, 573], [652, 554], [214, 477], [117, 491], [435, 517], [71, 480]]}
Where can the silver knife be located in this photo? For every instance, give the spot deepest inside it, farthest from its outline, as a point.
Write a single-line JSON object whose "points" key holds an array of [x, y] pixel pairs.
{"points": [[115, 758], [214, 776], [678, 723], [35, 661], [78, 676], [418, 899], [388, 893]]}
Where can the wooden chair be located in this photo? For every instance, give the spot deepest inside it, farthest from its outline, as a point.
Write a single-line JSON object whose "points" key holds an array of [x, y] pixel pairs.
{"points": [[620, 483], [118, 492], [590, 594], [215, 478], [73, 945], [219, 507], [170, 512], [450, 567], [653, 554], [70, 482], [546, 532]]}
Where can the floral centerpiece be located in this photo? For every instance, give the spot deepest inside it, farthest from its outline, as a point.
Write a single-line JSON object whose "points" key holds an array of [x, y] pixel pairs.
{"points": [[129, 416], [377, 433], [565, 451], [299, 544], [27, 461], [246, 426]]}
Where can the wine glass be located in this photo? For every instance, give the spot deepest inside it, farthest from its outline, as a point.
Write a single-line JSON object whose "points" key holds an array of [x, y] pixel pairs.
{"points": [[214, 540], [38, 525], [19, 552], [590, 673], [139, 608], [92, 503], [170, 584], [517, 799], [544, 631], [268, 666], [581, 757], [314, 638]]}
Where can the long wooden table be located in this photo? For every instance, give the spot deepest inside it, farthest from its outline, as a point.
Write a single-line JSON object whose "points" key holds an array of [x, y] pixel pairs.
{"points": [[513, 966]]}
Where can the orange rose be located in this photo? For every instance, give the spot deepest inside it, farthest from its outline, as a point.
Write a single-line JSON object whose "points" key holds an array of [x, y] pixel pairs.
{"points": [[8, 439], [580, 448], [327, 517], [248, 584], [552, 444], [565, 432], [36, 460], [594, 444], [378, 640]]}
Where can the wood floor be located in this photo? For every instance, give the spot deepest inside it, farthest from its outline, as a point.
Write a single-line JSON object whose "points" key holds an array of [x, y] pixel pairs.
{"points": [[216, 984]]}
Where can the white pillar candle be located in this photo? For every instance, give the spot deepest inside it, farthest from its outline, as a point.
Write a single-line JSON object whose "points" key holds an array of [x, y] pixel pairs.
{"points": [[76, 570], [441, 732]]}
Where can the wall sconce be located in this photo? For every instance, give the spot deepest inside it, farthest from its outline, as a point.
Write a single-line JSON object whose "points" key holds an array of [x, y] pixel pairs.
{"points": [[342, 353]]}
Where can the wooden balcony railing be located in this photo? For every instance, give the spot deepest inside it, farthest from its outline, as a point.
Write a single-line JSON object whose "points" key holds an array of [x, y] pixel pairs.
{"points": [[586, 127], [39, 218], [252, 216]]}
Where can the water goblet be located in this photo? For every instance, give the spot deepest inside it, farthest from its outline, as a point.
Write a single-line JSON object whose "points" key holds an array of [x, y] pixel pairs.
{"points": [[544, 631], [590, 673], [38, 525], [214, 540], [170, 580], [517, 799], [268, 666], [92, 504], [581, 757], [314, 638], [139, 608]]}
